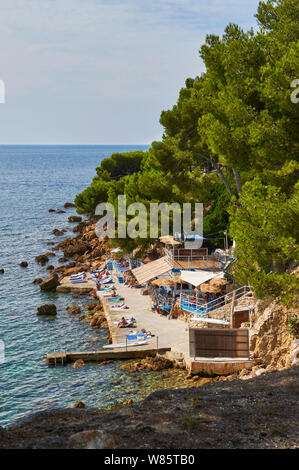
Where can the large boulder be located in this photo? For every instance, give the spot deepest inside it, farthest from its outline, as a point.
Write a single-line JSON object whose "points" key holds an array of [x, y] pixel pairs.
{"points": [[1, 271], [74, 309], [48, 309], [69, 205], [78, 248], [42, 259], [38, 280], [23, 264], [58, 233], [75, 218], [50, 283]]}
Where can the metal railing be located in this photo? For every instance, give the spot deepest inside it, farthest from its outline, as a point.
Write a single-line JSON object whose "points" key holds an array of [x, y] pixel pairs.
{"points": [[171, 258], [198, 306]]}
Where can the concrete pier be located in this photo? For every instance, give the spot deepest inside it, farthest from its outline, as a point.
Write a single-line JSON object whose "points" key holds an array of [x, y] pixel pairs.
{"points": [[62, 358]]}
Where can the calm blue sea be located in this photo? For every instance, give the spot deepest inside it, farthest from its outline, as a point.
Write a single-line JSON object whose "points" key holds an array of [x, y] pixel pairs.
{"points": [[34, 179]]}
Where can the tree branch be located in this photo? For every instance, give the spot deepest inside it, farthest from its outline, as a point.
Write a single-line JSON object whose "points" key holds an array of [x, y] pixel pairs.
{"points": [[237, 180]]}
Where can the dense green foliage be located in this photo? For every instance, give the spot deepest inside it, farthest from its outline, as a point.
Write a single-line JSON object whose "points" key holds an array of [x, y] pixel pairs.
{"points": [[231, 141], [293, 326]]}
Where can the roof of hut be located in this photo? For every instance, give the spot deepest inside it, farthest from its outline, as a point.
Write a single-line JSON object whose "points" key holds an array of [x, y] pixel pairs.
{"points": [[162, 282]]}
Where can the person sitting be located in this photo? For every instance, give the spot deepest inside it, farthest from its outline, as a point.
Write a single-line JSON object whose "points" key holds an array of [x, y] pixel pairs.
{"points": [[122, 322]]}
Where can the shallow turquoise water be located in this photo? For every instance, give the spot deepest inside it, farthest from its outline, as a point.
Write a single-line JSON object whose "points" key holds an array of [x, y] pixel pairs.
{"points": [[33, 180]]}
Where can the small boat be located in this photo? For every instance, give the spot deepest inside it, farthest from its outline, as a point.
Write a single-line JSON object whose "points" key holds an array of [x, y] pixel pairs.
{"points": [[123, 345]]}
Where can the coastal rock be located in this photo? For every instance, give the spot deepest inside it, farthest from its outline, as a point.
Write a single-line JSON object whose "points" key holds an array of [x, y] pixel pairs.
{"points": [[51, 210], [78, 404], [270, 340], [23, 264], [79, 227], [38, 280], [74, 218], [79, 363], [74, 309], [92, 440], [50, 243], [149, 363], [78, 248], [69, 205], [60, 212], [50, 267], [1, 271], [91, 306], [57, 233], [98, 320], [48, 309], [42, 259], [62, 260], [50, 283]]}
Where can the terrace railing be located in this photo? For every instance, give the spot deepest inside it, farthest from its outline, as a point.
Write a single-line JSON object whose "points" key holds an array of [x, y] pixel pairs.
{"points": [[171, 257], [198, 306]]}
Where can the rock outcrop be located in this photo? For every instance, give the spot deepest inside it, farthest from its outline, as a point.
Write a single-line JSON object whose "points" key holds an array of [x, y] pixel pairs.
{"points": [[74, 218], [270, 340], [50, 283], [149, 363], [23, 264], [73, 309], [69, 205], [58, 233], [48, 309], [78, 363], [42, 259], [78, 404]]}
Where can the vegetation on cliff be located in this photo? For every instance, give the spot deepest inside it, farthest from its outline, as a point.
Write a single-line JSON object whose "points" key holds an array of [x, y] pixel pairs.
{"points": [[231, 141]]}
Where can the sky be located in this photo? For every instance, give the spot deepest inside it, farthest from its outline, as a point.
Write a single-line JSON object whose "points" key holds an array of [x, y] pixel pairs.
{"points": [[101, 71]]}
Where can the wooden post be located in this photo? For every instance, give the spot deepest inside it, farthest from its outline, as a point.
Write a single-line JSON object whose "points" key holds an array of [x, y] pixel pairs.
{"points": [[232, 309]]}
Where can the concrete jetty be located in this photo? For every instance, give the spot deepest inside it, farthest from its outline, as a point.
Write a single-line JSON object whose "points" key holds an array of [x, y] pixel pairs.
{"points": [[62, 358]]}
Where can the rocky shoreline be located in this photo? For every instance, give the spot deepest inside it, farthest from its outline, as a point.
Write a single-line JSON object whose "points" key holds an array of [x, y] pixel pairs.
{"points": [[85, 251], [261, 413]]}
